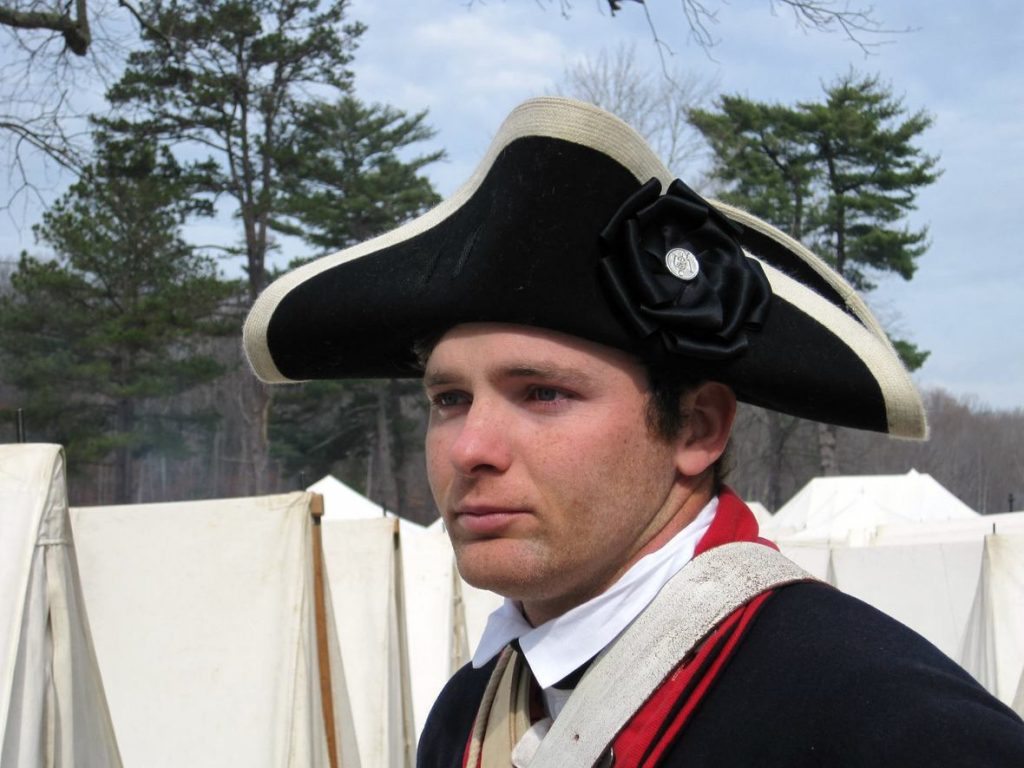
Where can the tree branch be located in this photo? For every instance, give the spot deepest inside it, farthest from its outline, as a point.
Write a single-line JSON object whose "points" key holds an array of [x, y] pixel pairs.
{"points": [[144, 24], [74, 30], [824, 16], [856, 22]]}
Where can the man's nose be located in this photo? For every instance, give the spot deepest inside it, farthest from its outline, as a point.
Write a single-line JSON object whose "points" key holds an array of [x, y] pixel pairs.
{"points": [[482, 444]]}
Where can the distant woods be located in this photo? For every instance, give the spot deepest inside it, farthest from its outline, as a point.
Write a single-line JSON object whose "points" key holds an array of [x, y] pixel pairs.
{"points": [[975, 451]]}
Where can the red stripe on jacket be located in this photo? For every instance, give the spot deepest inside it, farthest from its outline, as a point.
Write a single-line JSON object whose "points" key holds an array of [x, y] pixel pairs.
{"points": [[651, 731]]}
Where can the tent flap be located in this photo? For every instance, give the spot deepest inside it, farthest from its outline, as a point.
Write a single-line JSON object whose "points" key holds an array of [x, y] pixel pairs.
{"points": [[205, 629], [53, 710]]}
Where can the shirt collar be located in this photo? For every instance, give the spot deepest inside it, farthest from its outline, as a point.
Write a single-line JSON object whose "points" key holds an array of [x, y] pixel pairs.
{"points": [[561, 645]]}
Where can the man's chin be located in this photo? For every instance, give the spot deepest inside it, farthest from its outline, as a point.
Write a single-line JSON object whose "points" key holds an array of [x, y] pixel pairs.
{"points": [[497, 565]]}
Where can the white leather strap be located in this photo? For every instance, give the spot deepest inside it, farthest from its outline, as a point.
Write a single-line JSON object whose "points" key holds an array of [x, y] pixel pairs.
{"points": [[623, 677]]}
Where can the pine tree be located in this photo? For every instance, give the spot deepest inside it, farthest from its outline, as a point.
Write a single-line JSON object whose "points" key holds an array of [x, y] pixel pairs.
{"points": [[261, 92], [762, 158], [346, 178], [99, 338], [871, 172], [765, 165], [226, 79], [347, 183], [841, 174]]}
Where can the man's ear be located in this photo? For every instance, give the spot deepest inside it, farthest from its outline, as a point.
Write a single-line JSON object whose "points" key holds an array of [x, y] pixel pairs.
{"points": [[709, 413]]}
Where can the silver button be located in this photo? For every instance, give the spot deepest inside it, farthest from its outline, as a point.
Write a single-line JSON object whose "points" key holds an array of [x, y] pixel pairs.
{"points": [[682, 263], [606, 760]]}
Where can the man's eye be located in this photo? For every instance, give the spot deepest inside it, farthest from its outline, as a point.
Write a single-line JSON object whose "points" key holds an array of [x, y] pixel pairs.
{"points": [[546, 394], [448, 399]]}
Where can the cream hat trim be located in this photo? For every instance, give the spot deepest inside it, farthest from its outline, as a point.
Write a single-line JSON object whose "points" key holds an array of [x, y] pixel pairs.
{"points": [[589, 126], [564, 119], [903, 408], [833, 278]]}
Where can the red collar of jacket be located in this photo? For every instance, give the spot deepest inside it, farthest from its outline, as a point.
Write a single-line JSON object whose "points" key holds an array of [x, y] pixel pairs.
{"points": [[733, 521]]}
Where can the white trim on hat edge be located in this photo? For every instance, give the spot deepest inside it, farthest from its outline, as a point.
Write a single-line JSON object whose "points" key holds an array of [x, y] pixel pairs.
{"points": [[564, 119]]}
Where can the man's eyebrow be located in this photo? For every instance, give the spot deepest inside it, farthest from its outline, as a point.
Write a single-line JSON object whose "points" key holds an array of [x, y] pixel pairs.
{"points": [[546, 372], [438, 379]]}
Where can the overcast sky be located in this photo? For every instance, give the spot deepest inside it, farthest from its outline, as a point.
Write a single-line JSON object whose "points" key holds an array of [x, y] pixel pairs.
{"points": [[470, 63]]}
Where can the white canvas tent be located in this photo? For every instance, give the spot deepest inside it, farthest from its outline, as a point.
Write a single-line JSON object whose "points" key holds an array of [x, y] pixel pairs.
{"points": [[960, 529], [966, 596], [813, 557], [442, 619], [342, 502], [205, 620], [445, 617], [910, 548], [364, 568], [53, 711], [994, 644], [929, 587], [206, 634], [406, 622], [477, 605], [851, 509], [761, 514], [434, 618]]}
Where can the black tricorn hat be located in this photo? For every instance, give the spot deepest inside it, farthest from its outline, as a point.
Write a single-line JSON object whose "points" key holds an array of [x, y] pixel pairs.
{"points": [[572, 223]]}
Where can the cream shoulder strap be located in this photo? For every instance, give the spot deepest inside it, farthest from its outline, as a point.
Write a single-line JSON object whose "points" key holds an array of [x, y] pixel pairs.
{"points": [[620, 680]]}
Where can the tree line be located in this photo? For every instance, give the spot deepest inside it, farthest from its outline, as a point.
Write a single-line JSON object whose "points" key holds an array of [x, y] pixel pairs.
{"points": [[119, 338], [975, 451]]}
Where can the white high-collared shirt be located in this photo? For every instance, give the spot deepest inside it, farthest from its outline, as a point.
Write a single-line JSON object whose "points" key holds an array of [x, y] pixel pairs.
{"points": [[560, 646]]}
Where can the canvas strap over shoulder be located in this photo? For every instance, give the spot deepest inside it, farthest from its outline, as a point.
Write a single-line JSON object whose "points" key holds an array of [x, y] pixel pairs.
{"points": [[620, 680], [504, 714]]}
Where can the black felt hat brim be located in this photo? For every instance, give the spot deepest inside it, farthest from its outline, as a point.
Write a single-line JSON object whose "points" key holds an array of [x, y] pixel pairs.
{"points": [[519, 244]]}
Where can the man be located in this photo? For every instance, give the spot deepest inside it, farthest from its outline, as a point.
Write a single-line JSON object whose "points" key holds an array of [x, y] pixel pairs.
{"points": [[584, 325]]}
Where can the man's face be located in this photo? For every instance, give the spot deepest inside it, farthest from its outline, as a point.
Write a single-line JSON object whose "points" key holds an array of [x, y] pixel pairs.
{"points": [[541, 463]]}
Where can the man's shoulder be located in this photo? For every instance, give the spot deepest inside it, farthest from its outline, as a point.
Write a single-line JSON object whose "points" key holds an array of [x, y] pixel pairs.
{"points": [[814, 620], [821, 678], [447, 729]]}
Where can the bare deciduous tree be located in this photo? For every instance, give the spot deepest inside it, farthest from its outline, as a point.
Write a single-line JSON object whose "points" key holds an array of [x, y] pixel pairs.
{"points": [[56, 58], [39, 121], [655, 104]]}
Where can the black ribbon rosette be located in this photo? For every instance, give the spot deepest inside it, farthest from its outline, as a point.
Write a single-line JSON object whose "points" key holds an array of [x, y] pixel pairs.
{"points": [[676, 268]]}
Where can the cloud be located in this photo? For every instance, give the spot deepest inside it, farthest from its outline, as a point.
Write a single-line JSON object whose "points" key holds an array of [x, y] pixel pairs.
{"points": [[466, 56], [488, 38]]}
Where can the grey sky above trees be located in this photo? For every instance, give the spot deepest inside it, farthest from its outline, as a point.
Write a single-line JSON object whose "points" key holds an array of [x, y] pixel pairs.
{"points": [[654, 103]]}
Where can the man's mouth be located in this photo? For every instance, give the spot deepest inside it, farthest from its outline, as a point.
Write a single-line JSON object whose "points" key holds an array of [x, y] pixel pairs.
{"points": [[486, 520]]}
